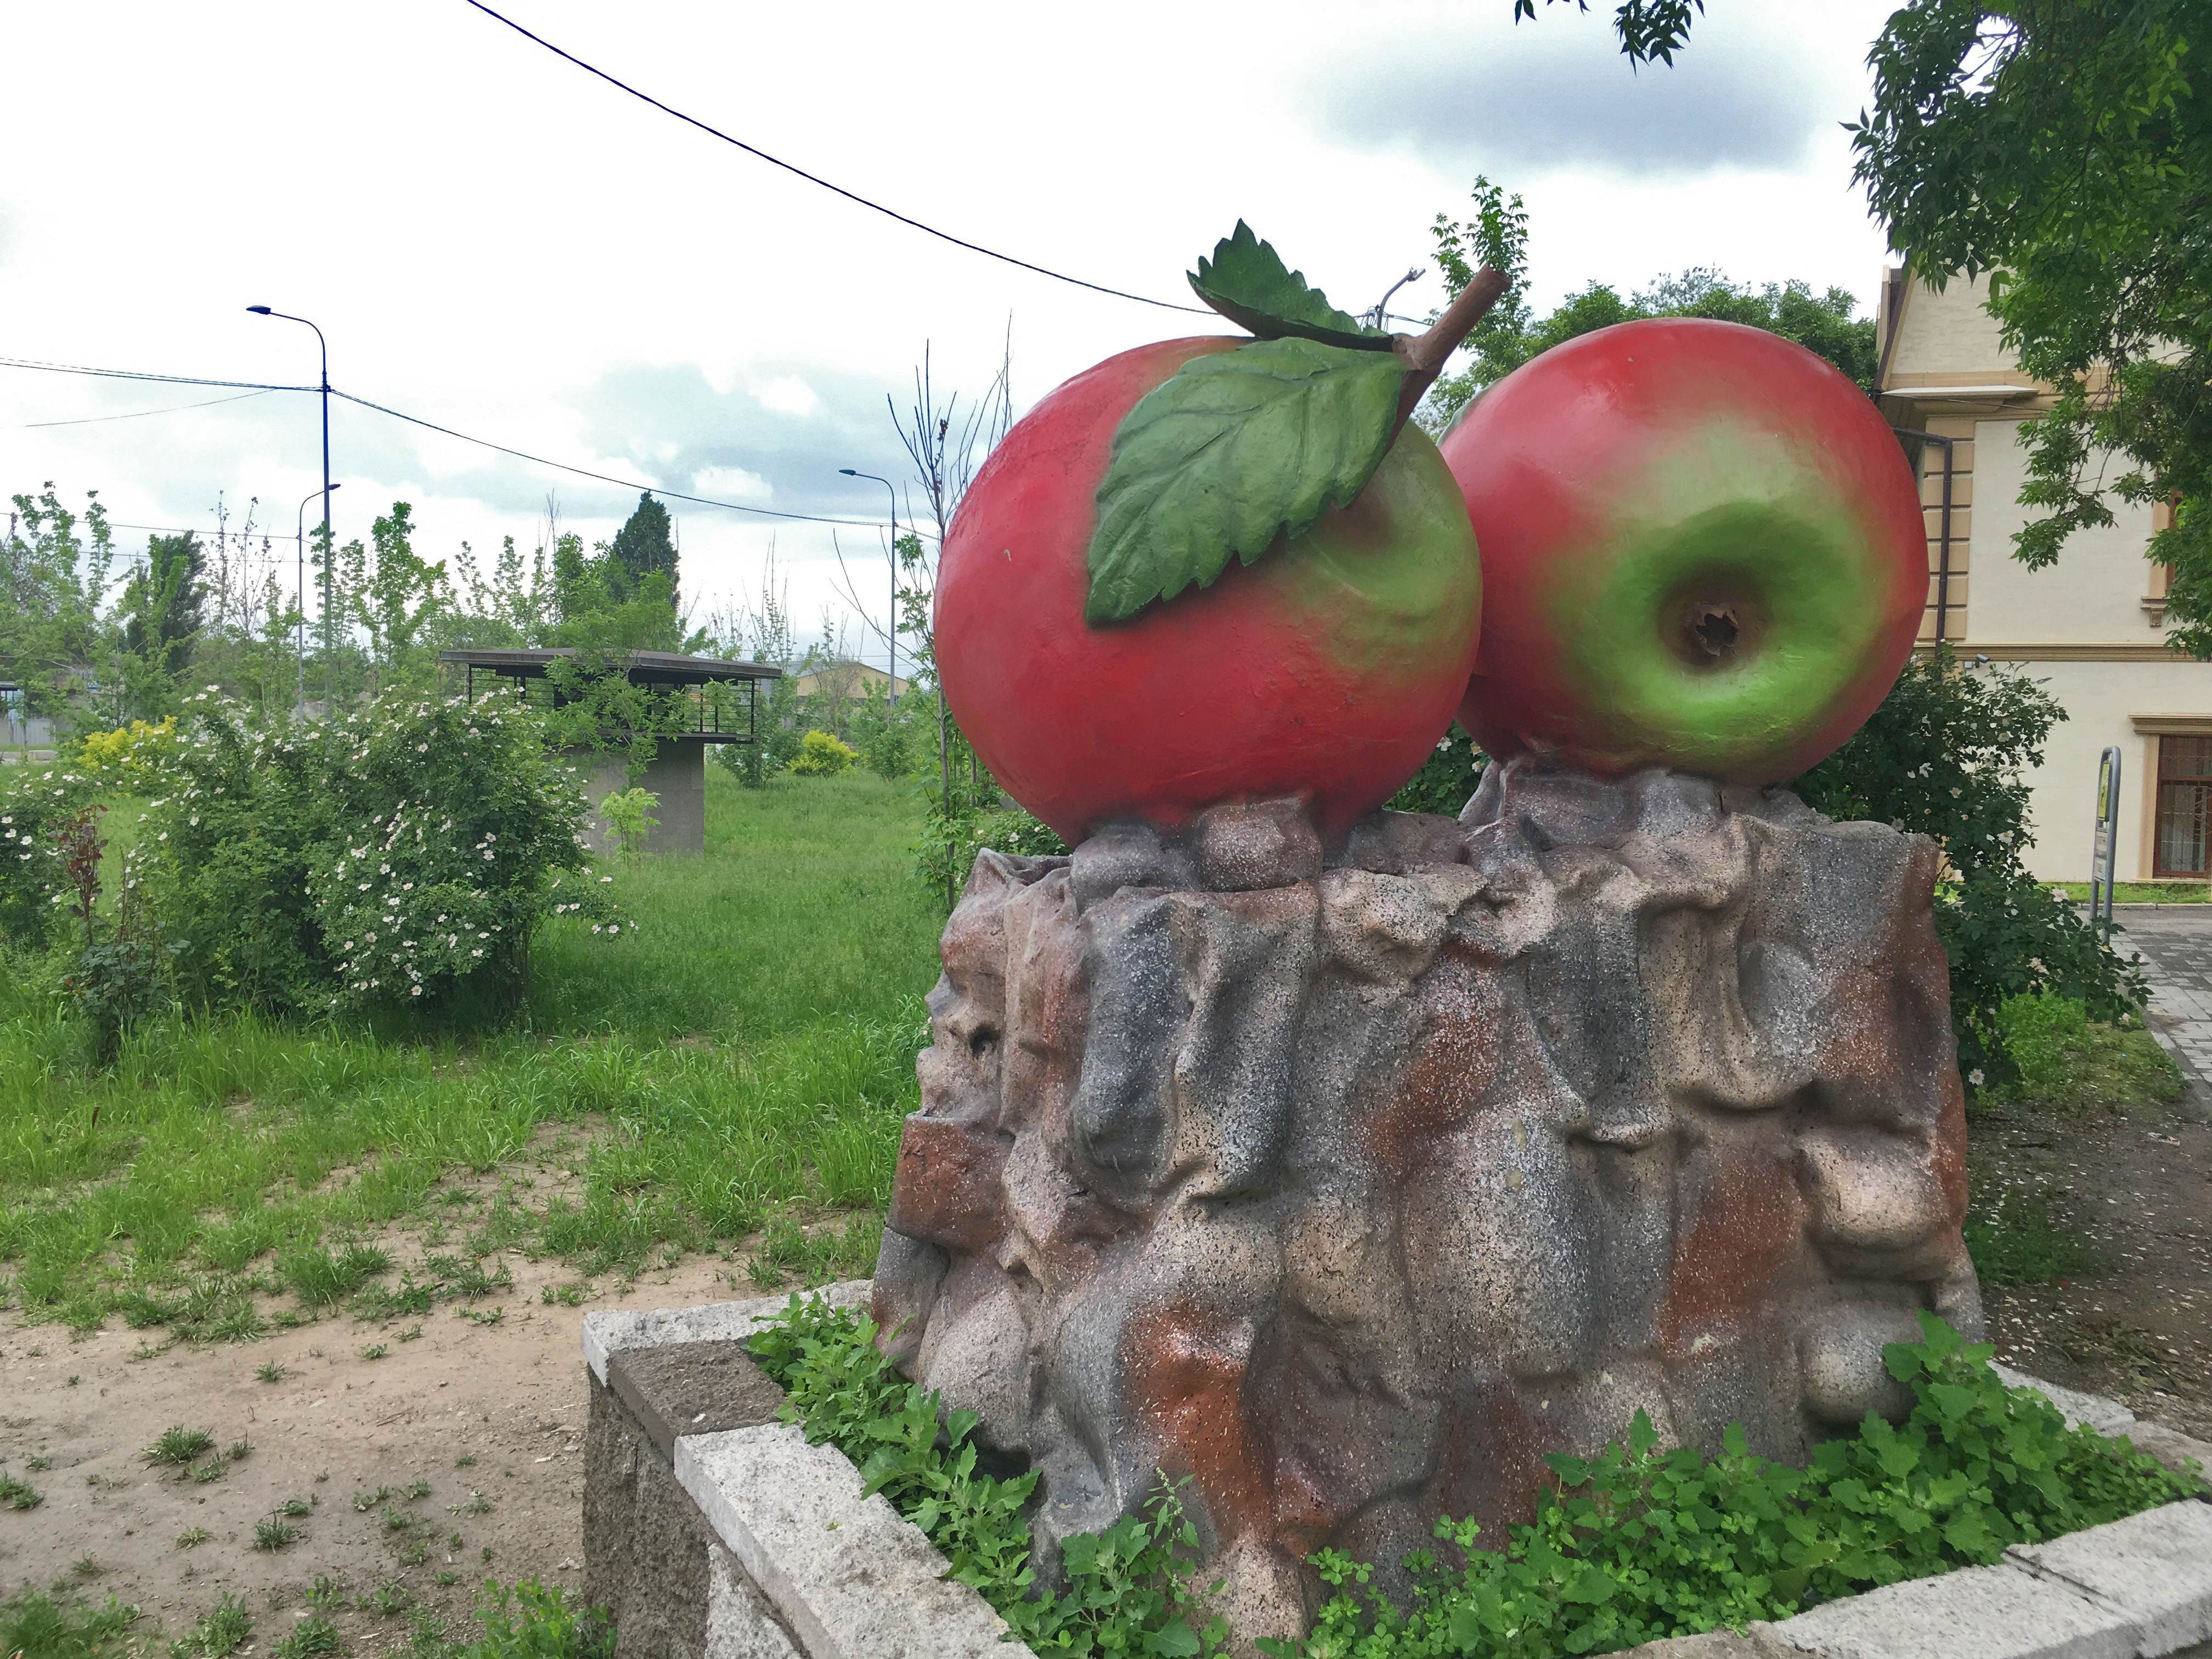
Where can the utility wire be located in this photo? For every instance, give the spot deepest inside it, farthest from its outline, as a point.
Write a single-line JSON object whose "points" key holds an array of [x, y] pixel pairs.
{"points": [[416, 420], [140, 414], [891, 212], [581, 473], [140, 374]]}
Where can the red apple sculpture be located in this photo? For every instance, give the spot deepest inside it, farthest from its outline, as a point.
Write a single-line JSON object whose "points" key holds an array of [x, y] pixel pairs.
{"points": [[1216, 569], [1702, 547]]}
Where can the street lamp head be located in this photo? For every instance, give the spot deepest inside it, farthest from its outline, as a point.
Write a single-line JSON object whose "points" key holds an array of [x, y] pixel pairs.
{"points": [[849, 472], [258, 311]]}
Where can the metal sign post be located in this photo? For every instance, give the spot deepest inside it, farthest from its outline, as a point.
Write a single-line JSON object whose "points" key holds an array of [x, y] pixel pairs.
{"points": [[2106, 846]]}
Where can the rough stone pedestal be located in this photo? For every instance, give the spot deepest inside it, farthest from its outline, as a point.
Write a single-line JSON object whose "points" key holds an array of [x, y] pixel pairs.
{"points": [[1350, 1182]]}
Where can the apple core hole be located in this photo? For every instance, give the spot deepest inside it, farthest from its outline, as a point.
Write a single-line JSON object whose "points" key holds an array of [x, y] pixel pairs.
{"points": [[1712, 629]]}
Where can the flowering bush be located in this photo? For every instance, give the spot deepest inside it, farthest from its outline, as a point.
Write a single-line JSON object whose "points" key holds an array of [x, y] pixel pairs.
{"points": [[34, 883], [389, 856]]}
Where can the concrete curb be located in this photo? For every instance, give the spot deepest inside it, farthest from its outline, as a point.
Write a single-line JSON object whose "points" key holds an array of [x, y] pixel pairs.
{"points": [[713, 1321], [799, 1564]]}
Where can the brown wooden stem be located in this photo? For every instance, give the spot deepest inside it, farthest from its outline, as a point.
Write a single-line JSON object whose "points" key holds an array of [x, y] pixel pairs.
{"points": [[1425, 354]]}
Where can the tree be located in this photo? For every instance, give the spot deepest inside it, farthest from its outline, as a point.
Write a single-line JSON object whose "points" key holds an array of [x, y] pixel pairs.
{"points": [[1651, 31], [2062, 146], [1509, 336], [643, 546], [163, 607]]}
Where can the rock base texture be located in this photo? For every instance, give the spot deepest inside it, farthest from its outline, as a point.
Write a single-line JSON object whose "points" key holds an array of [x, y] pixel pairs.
{"points": [[1349, 1183]]}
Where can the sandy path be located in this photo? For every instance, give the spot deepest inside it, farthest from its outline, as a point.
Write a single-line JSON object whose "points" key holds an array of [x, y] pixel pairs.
{"points": [[511, 1396]]}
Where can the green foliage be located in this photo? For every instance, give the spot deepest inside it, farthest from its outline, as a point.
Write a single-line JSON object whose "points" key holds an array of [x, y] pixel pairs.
{"points": [[531, 1620], [1511, 335], [321, 1276], [1641, 1543], [2013, 1238], [1126, 1592], [17, 1493], [55, 566], [629, 815], [1246, 281], [644, 546], [220, 1632], [37, 1626], [36, 808], [888, 734], [2067, 149], [1233, 451], [1651, 31], [2075, 1062], [1447, 779], [821, 756], [179, 1445], [1944, 756]]}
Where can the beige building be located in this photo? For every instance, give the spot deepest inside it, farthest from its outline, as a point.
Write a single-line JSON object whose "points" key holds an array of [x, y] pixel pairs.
{"points": [[846, 679], [2090, 627]]}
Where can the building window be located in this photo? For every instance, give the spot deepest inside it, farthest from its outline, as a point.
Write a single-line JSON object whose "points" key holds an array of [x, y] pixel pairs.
{"points": [[2184, 806]]}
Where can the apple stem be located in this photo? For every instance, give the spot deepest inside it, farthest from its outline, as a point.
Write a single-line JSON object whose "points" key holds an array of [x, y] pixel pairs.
{"points": [[1425, 354]]}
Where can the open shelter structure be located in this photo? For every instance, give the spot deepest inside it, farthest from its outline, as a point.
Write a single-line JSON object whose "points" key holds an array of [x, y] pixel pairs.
{"points": [[722, 705]]}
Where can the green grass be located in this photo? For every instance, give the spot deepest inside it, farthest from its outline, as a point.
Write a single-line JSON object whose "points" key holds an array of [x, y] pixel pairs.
{"points": [[2014, 1238], [2074, 1062], [749, 1050], [41, 1627], [2141, 893]]}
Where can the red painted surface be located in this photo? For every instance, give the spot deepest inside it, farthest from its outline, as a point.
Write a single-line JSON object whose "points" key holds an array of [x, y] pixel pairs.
{"points": [[1305, 673], [1585, 459]]}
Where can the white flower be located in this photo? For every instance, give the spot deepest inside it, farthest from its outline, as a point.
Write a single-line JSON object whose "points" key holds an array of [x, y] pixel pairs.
{"points": [[417, 992], [595, 927], [603, 880], [1974, 1077], [477, 953]]}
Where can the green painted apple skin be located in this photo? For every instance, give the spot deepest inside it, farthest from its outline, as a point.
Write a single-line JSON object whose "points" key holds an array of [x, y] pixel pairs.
{"points": [[1702, 547], [1327, 669]]}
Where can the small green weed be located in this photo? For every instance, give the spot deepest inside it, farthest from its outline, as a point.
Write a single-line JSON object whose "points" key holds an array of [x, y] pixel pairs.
{"points": [[311, 1639], [211, 1470], [237, 1450], [374, 1351], [223, 1629], [482, 1317], [19, 1494], [398, 1520], [294, 1507], [274, 1534], [465, 1461], [270, 1371], [328, 1591], [38, 1465], [474, 1504], [414, 1552], [570, 1295], [534, 1621], [192, 1535], [179, 1445], [391, 1598], [415, 1490]]}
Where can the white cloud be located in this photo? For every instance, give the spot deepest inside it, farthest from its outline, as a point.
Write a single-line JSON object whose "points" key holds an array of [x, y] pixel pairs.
{"points": [[788, 395], [733, 481]]}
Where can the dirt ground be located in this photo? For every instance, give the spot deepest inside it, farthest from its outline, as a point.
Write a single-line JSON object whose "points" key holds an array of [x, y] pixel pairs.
{"points": [[489, 1415], [2135, 1321]]}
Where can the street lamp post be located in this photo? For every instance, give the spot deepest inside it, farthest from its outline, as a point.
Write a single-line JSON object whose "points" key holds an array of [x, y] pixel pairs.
{"points": [[299, 601], [891, 692], [263, 311]]}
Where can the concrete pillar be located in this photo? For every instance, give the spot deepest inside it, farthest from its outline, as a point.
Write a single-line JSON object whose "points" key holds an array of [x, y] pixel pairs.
{"points": [[678, 773]]}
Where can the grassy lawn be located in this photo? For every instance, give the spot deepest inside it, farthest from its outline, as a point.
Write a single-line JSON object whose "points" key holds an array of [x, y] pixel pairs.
{"points": [[738, 1066], [2141, 892]]}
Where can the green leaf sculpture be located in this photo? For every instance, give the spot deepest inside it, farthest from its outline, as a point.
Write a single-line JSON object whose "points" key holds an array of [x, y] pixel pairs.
{"points": [[1236, 448], [1246, 281]]}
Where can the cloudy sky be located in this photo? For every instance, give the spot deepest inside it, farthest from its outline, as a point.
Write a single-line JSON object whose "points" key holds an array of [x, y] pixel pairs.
{"points": [[494, 240]]}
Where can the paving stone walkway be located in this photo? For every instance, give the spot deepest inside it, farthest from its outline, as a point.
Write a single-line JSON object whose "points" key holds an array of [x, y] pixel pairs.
{"points": [[2176, 943]]}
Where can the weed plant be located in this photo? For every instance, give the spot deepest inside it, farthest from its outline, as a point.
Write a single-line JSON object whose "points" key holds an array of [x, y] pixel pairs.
{"points": [[1635, 1545], [223, 1629], [33, 1622]]}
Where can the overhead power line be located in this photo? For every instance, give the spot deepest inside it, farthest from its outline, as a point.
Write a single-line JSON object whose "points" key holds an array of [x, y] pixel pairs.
{"points": [[140, 414], [432, 426], [142, 374], [583, 472], [811, 179]]}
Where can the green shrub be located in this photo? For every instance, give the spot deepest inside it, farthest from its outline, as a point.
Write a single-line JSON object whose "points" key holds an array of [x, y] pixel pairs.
{"points": [[1447, 779], [821, 756], [1639, 1544], [34, 884], [629, 815], [1127, 1590], [534, 1621]]}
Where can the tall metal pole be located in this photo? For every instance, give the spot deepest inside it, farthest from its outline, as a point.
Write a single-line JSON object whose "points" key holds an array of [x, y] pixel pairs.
{"points": [[300, 595], [263, 311], [891, 690]]}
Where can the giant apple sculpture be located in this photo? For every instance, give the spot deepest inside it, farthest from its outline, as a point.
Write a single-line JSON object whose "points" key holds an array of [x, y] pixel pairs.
{"points": [[1702, 547], [1216, 570]]}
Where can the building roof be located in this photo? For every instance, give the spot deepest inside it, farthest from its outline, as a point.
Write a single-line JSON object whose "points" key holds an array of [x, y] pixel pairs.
{"points": [[651, 667]]}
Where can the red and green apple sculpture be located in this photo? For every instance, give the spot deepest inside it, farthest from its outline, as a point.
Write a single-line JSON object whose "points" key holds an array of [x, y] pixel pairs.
{"points": [[1216, 570], [1702, 547]]}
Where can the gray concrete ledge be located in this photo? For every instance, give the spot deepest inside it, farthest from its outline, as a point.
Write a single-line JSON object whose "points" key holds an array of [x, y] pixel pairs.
{"points": [[774, 1553], [852, 1577], [714, 1322]]}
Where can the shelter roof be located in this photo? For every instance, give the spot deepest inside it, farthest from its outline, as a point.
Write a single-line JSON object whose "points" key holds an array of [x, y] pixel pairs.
{"points": [[647, 667]]}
